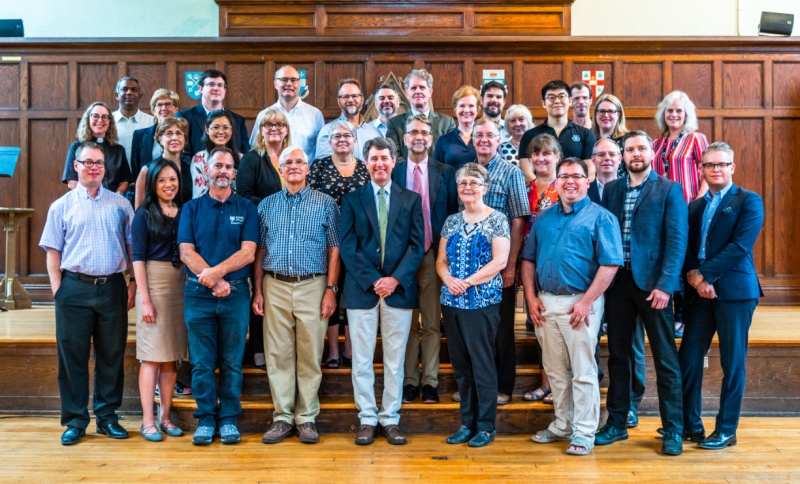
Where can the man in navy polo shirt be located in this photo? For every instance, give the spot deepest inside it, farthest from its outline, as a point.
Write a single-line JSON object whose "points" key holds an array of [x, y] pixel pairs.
{"points": [[217, 236], [576, 141]]}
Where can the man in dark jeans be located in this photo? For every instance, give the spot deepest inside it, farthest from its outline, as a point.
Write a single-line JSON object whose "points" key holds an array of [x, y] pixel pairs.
{"points": [[217, 236]]}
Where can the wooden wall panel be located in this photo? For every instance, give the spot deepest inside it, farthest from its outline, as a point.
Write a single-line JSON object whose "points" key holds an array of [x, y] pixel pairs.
{"points": [[382, 69], [742, 85], [706, 126], [648, 125], [48, 86], [335, 72], [695, 79], [534, 76], [9, 86], [97, 82], [785, 191], [606, 67], [247, 84], [9, 187], [447, 78], [786, 84], [182, 69], [642, 86], [151, 77]]}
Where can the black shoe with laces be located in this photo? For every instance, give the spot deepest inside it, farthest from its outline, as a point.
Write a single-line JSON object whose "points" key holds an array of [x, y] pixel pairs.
{"points": [[410, 393], [430, 394], [672, 444]]}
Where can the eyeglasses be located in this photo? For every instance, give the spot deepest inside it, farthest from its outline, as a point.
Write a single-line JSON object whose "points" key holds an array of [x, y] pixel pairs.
{"points": [[220, 129], [167, 104], [552, 97], [104, 117], [91, 164], [345, 97], [472, 185], [604, 154], [575, 177], [172, 134], [298, 163], [346, 137], [416, 133], [212, 85], [606, 112], [277, 126], [716, 166], [488, 136], [286, 80]]}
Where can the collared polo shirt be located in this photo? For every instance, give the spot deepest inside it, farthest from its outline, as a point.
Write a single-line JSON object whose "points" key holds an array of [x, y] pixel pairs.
{"points": [[576, 141], [568, 248], [217, 229], [364, 132], [126, 127], [708, 215]]}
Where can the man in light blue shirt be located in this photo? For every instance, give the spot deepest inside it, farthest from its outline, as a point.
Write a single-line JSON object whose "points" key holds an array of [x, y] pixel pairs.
{"points": [[351, 100], [387, 100]]}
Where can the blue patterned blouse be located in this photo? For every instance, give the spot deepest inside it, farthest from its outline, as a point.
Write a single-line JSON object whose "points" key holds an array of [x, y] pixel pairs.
{"points": [[469, 247]]}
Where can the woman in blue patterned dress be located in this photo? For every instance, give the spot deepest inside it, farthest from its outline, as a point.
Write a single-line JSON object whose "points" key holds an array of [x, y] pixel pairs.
{"points": [[473, 250]]}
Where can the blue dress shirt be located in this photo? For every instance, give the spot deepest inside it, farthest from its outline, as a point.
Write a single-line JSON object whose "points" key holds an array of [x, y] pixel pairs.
{"points": [[708, 214]]}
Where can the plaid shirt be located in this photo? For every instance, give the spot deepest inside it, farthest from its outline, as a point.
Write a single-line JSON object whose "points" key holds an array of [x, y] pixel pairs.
{"points": [[507, 191], [631, 195], [297, 231]]}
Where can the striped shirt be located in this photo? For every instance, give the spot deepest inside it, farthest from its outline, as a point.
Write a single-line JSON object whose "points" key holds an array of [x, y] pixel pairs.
{"points": [[680, 161], [92, 234], [297, 231], [507, 192], [631, 195]]}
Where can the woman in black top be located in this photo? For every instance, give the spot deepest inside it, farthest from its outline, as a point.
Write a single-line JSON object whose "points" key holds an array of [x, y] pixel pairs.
{"points": [[171, 135], [338, 175], [161, 336], [456, 148], [97, 124]]}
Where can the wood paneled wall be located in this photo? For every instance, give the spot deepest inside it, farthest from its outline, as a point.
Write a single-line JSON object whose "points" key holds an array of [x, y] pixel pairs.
{"points": [[747, 92]]}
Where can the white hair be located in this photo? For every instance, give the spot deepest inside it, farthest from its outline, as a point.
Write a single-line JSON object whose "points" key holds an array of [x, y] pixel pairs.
{"points": [[514, 111], [285, 154], [690, 121]]}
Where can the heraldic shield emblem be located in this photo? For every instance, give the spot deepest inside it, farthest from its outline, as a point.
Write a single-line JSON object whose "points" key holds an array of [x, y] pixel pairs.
{"points": [[193, 84], [595, 80]]}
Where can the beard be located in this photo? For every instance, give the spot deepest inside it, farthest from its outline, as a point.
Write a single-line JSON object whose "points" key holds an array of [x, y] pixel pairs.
{"points": [[219, 182], [351, 110], [387, 109], [637, 169], [492, 111]]}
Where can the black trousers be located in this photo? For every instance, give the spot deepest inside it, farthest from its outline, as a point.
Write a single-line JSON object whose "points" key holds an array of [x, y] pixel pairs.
{"points": [[470, 341], [639, 365], [505, 350], [86, 314], [626, 302]]}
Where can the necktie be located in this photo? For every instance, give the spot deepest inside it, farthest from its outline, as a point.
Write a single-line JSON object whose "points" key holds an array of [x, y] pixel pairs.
{"points": [[382, 219], [426, 205]]}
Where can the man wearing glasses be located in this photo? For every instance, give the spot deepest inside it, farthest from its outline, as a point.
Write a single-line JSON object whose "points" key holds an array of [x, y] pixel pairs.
{"points": [[576, 141], [296, 273], [351, 100], [213, 87], [305, 120], [570, 258], [87, 237]]}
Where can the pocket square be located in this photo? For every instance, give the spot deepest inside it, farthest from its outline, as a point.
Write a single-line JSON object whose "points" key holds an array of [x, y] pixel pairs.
{"points": [[728, 210]]}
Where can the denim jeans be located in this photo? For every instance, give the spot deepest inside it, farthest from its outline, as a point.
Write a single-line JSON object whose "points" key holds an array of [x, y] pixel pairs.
{"points": [[217, 329]]}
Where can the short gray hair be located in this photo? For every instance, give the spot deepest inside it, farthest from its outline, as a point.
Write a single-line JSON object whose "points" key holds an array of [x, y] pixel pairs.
{"points": [[474, 170], [719, 146], [90, 145], [288, 151], [690, 121], [340, 123], [420, 118], [380, 144], [421, 74], [514, 111]]}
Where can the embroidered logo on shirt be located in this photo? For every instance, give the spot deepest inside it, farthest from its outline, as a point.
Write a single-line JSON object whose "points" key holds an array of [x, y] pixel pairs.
{"points": [[576, 137], [237, 220]]}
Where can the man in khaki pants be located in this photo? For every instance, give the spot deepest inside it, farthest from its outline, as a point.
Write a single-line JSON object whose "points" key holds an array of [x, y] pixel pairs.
{"points": [[296, 270], [572, 253]]}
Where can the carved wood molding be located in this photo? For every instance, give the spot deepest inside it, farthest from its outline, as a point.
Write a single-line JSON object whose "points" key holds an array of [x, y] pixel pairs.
{"points": [[325, 18]]}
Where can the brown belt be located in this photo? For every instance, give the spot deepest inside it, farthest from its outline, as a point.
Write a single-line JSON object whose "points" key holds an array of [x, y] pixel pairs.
{"points": [[283, 278]]}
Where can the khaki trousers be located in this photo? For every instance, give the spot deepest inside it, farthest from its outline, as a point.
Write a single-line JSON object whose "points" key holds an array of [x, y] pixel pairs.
{"points": [[294, 337], [568, 359], [430, 308]]}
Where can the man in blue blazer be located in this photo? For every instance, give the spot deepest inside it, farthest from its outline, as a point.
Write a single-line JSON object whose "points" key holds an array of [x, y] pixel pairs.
{"points": [[436, 183], [653, 219], [382, 245], [721, 294], [213, 87]]}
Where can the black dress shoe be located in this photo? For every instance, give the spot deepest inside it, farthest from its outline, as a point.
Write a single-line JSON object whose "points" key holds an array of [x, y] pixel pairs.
{"points": [[482, 438], [463, 435], [410, 393], [633, 420], [113, 430], [692, 435], [718, 441], [609, 434], [672, 444], [429, 394], [72, 435]]}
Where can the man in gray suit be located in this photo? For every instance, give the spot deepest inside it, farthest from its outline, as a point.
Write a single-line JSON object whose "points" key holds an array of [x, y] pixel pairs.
{"points": [[419, 89]]}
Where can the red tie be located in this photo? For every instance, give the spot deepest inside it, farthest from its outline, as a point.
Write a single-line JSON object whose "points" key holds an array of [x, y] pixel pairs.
{"points": [[426, 205]]}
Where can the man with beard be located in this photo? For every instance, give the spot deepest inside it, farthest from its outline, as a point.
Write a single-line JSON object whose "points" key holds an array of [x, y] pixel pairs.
{"points": [[128, 118], [386, 101], [351, 100], [419, 89], [654, 221], [493, 100], [305, 120], [217, 237], [581, 104]]}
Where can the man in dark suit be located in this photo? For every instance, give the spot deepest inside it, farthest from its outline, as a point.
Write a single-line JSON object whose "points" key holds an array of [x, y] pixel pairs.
{"points": [[653, 218], [419, 89], [213, 87], [382, 245], [721, 294], [436, 184]]}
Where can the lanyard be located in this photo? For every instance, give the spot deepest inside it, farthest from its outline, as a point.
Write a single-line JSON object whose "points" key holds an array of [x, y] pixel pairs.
{"points": [[666, 156]]}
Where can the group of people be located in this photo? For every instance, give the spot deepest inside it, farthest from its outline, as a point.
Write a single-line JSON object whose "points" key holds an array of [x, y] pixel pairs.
{"points": [[397, 226]]}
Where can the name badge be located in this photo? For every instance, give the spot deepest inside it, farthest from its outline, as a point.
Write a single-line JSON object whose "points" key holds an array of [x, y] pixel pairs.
{"points": [[576, 137], [237, 220]]}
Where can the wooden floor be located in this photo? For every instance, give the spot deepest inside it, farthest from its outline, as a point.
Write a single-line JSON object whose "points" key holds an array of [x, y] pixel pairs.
{"points": [[768, 451]]}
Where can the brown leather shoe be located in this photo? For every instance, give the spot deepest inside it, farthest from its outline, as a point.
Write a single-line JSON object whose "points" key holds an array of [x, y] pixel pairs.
{"points": [[277, 432], [393, 435], [307, 433], [366, 435]]}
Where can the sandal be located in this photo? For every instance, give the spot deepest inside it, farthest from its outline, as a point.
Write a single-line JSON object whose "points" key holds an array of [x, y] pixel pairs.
{"points": [[548, 399], [332, 363], [580, 441], [348, 362], [546, 436], [536, 395]]}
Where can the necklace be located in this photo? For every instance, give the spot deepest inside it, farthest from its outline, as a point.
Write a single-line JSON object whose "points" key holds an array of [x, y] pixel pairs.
{"points": [[351, 162]]}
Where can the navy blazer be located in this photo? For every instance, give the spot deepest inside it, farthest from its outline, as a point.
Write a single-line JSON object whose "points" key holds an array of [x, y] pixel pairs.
{"points": [[142, 149], [594, 192], [196, 117], [733, 231], [659, 230], [441, 191], [360, 247], [441, 124]]}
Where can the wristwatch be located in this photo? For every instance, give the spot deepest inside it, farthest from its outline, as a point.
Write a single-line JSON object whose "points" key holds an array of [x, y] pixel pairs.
{"points": [[469, 283], [335, 289]]}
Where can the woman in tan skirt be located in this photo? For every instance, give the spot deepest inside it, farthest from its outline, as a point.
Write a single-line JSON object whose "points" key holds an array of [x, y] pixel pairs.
{"points": [[160, 329]]}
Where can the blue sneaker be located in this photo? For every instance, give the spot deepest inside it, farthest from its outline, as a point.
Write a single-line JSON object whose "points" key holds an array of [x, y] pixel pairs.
{"points": [[229, 434], [204, 435]]}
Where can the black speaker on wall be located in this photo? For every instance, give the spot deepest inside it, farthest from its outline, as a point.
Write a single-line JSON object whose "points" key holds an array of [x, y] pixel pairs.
{"points": [[776, 24], [11, 28]]}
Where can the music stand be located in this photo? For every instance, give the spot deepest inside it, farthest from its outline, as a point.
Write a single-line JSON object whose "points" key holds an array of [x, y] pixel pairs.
{"points": [[11, 218]]}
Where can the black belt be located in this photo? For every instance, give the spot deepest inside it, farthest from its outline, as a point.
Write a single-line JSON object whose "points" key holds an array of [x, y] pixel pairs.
{"points": [[283, 278], [627, 265], [97, 280]]}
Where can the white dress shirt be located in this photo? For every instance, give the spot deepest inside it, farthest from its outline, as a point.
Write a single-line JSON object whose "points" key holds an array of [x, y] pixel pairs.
{"points": [[305, 121], [126, 127]]}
